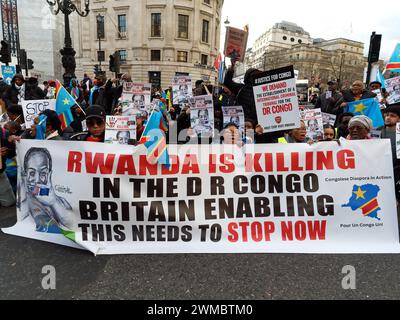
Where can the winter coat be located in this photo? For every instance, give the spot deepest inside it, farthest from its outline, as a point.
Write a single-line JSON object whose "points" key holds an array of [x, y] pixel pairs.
{"points": [[243, 92], [348, 96]]}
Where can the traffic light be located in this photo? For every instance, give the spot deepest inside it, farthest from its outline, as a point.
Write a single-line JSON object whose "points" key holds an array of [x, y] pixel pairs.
{"points": [[96, 69], [112, 63], [115, 62], [22, 59], [5, 52], [30, 64], [374, 47]]}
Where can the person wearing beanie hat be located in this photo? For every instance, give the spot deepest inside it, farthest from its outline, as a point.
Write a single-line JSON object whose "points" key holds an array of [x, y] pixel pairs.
{"points": [[359, 128], [96, 124]]}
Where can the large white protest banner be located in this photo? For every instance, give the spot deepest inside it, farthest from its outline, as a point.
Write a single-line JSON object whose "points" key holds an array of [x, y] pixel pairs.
{"points": [[276, 100], [32, 109], [291, 198]]}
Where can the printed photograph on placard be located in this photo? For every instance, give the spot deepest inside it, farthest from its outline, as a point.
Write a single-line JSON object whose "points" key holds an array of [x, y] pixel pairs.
{"points": [[379, 98], [182, 89], [120, 129], [234, 115], [139, 94], [202, 116], [313, 120], [393, 89], [328, 119], [398, 140]]}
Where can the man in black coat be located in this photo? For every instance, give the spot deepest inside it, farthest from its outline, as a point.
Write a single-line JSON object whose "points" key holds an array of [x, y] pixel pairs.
{"points": [[22, 90], [243, 92]]}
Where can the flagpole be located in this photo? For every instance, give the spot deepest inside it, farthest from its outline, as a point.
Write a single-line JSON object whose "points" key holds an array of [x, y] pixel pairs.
{"points": [[72, 98]]}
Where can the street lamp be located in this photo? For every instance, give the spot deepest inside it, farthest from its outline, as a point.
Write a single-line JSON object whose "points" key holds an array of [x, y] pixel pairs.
{"points": [[99, 19], [227, 22], [68, 53]]}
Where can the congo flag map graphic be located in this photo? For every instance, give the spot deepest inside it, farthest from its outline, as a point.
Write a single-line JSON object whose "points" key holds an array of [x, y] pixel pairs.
{"points": [[365, 198]]}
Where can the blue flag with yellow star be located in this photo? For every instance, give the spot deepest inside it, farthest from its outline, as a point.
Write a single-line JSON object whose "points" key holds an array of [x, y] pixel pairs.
{"points": [[369, 108], [64, 103]]}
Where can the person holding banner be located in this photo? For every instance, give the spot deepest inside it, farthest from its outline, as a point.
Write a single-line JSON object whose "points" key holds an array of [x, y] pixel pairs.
{"points": [[329, 133], [359, 128], [7, 151], [96, 124], [298, 135], [232, 135]]}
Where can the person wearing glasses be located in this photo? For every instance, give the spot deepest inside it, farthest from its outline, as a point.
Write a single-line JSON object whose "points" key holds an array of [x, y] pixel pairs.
{"points": [[96, 124]]}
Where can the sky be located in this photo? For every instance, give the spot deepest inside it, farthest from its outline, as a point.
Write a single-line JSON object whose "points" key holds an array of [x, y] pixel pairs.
{"points": [[354, 20]]}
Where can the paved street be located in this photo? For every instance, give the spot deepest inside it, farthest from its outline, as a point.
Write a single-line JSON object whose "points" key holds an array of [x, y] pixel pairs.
{"points": [[80, 275]]}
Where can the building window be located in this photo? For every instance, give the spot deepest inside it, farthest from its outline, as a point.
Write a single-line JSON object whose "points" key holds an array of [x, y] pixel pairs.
{"points": [[122, 23], [123, 54], [204, 37], [156, 24], [207, 2], [100, 27], [155, 55], [292, 39], [182, 56], [183, 26], [284, 38], [204, 59], [300, 41]]}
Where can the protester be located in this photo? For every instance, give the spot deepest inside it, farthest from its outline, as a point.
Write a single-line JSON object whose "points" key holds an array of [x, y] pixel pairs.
{"points": [[360, 128], [96, 124], [356, 93], [16, 93], [243, 92], [7, 151], [329, 133], [327, 101], [15, 113], [296, 135], [231, 135], [117, 92], [343, 125]]}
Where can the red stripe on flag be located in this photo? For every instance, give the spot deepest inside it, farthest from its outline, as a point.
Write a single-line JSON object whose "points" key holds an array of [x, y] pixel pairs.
{"points": [[63, 120], [370, 206], [393, 66], [157, 152]]}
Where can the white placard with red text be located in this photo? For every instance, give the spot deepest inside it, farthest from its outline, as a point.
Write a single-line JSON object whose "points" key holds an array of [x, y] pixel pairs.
{"points": [[276, 100]]}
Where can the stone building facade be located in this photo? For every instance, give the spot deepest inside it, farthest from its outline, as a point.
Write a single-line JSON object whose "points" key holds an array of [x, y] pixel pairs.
{"points": [[317, 60], [155, 38]]}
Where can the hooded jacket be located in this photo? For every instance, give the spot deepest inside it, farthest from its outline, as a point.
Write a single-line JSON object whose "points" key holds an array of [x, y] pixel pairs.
{"points": [[243, 92], [32, 91]]}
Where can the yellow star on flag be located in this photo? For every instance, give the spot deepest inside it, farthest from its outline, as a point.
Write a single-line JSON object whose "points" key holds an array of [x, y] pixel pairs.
{"points": [[360, 108], [360, 193], [66, 101]]}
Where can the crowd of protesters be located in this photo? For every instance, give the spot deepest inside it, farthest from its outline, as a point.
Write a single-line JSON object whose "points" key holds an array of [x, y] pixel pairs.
{"points": [[100, 97]]}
